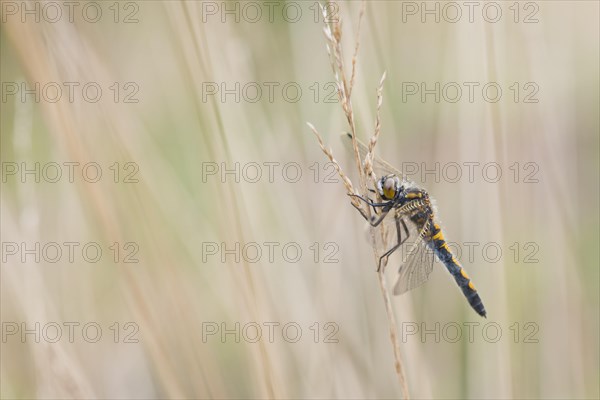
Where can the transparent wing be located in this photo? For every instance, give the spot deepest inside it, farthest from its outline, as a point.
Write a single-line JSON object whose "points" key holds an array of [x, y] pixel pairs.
{"points": [[380, 167], [417, 257], [415, 270]]}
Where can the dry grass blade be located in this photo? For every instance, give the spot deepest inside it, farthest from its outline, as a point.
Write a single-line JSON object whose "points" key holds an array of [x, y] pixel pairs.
{"points": [[333, 33], [373, 140], [360, 17], [382, 281]]}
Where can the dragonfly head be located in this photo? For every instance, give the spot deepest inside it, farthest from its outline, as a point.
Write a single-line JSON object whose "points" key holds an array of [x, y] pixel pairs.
{"points": [[389, 187]]}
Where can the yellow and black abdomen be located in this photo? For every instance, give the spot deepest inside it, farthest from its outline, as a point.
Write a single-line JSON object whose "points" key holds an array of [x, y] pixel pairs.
{"points": [[440, 247]]}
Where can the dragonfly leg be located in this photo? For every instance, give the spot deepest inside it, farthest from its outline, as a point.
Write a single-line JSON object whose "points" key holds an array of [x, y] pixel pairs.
{"points": [[398, 244], [369, 201], [374, 209], [405, 230], [374, 222], [360, 210]]}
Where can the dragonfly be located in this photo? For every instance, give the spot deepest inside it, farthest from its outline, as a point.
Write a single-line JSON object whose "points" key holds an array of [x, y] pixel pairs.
{"points": [[405, 215]]}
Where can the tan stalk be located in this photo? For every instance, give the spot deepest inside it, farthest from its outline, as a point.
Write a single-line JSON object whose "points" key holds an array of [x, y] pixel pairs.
{"points": [[333, 33]]}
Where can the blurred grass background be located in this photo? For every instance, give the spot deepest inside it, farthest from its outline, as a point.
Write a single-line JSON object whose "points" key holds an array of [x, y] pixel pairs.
{"points": [[172, 132]]}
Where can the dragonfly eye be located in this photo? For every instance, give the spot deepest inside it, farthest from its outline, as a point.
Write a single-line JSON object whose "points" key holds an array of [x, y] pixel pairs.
{"points": [[389, 187]]}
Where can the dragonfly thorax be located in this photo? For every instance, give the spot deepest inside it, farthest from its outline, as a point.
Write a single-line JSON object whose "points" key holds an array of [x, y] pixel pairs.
{"points": [[389, 187]]}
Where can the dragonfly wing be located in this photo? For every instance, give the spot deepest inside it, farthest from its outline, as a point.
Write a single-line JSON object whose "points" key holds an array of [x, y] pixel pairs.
{"points": [[417, 258], [417, 262], [380, 166]]}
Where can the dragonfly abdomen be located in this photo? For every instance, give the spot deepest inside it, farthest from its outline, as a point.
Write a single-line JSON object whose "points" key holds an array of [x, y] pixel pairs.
{"points": [[440, 247]]}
